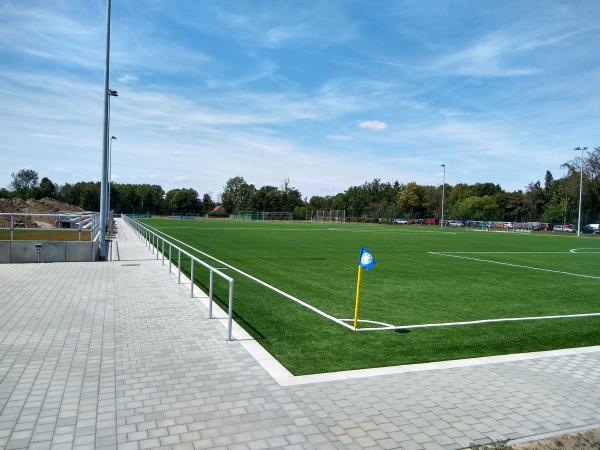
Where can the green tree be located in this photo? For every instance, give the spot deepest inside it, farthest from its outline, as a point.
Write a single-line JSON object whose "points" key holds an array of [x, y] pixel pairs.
{"points": [[410, 198], [478, 208], [238, 195], [207, 203], [25, 182], [183, 201], [47, 188]]}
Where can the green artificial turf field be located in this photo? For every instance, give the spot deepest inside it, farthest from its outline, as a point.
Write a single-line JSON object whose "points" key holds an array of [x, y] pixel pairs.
{"points": [[423, 275]]}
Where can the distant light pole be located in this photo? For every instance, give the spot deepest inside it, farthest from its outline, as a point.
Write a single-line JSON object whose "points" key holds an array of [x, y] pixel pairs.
{"points": [[104, 178], [582, 149], [443, 195]]}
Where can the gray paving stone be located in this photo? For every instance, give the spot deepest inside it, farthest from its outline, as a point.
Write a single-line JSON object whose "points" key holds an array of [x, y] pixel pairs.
{"points": [[96, 355]]}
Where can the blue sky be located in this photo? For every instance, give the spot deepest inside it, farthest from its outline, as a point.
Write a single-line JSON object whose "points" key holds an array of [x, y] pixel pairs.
{"points": [[328, 94]]}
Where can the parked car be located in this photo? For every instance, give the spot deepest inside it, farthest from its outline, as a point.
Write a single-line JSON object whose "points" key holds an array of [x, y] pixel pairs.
{"points": [[563, 229], [456, 223], [401, 221], [592, 228]]}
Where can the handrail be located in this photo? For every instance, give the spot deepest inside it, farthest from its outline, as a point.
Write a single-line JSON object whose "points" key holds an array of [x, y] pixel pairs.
{"points": [[153, 240], [85, 221]]}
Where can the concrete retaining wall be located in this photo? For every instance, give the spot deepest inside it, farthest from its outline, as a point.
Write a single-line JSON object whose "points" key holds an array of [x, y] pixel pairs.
{"points": [[50, 251]]}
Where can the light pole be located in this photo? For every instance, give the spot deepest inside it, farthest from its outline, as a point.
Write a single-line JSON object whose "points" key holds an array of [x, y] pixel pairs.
{"points": [[582, 149], [112, 138], [104, 178], [443, 195]]}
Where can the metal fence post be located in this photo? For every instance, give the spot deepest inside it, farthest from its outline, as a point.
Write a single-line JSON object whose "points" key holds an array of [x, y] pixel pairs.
{"points": [[12, 227], [192, 278], [170, 257], [210, 293], [156, 241], [230, 316], [79, 229], [163, 251], [179, 267]]}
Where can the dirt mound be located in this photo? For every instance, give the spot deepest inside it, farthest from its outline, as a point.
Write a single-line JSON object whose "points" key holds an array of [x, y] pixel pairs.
{"points": [[42, 206]]}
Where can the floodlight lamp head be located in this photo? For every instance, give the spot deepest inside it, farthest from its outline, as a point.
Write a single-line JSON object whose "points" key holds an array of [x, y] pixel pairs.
{"points": [[113, 93], [113, 137]]}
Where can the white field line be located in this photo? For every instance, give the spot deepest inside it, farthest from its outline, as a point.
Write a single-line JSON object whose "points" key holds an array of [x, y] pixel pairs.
{"points": [[473, 322], [305, 229], [388, 327], [261, 282], [521, 266], [576, 250], [500, 253]]}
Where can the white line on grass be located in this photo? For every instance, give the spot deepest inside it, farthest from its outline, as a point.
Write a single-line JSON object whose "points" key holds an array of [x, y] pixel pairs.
{"points": [[474, 322], [388, 327], [521, 266], [501, 253], [306, 229], [261, 282]]}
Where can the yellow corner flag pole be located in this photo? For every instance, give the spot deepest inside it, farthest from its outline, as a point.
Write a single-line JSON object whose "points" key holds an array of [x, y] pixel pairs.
{"points": [[357, 297]]}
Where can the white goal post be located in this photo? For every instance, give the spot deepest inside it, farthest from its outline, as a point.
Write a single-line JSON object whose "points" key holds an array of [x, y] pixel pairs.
{"points": [[243, 216], [326, 216]]}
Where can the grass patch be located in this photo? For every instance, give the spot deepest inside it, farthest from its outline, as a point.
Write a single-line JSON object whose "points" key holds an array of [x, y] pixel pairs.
{"points": [[409, 285], [43, 234]]}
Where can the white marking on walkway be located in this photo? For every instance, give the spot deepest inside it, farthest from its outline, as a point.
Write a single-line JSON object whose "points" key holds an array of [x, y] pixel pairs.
{"points": [[521, 266], [259, 281]]}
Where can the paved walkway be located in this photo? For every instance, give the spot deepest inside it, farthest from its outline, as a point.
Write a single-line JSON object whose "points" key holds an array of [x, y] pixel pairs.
{"points": [[116, 354]]}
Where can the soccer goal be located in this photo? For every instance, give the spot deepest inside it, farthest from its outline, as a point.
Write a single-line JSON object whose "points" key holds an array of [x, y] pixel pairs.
{"points": [[277, 215], [326, 216], [245, 216]]}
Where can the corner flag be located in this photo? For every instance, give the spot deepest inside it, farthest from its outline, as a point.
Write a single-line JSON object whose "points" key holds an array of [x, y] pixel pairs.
{"points": [[365, 261]]}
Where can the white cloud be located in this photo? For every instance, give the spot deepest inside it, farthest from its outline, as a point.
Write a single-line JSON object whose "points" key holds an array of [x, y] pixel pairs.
{"points": [[372, 125], [183, 153], [128, 78], [339, 137]]}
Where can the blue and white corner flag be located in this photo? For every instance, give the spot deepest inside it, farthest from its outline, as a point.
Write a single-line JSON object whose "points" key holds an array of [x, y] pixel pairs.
{"points": [[366, 260]]}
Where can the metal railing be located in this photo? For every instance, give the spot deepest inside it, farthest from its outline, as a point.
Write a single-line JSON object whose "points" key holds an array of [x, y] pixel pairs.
{"points": [[69, 224], [157, 243]]}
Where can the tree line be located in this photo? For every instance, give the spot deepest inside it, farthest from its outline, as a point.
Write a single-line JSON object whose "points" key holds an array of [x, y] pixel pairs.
{"points": [[548, 200], [124, 198]]}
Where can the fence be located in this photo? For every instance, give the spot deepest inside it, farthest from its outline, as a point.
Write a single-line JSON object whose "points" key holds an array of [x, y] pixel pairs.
{"points": [[154, 241], [62, 226]]}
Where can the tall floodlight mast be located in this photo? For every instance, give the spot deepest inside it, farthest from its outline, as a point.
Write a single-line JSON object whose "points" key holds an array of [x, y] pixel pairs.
{"points": [[105, 142]]}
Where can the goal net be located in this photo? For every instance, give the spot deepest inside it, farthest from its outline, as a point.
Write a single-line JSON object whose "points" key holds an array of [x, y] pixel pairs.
{"points": [[244, 216], [326, 216]]}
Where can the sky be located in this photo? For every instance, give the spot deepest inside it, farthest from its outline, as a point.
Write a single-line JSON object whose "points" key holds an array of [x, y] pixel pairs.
{"points": [[327, 93]]}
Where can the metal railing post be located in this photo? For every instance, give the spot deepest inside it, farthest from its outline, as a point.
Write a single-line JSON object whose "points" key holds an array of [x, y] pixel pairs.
{"points": [[179, 267], [12, 227], [230, 312], [192, 278], [210, 293], [79, 229], [152, 240]]}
